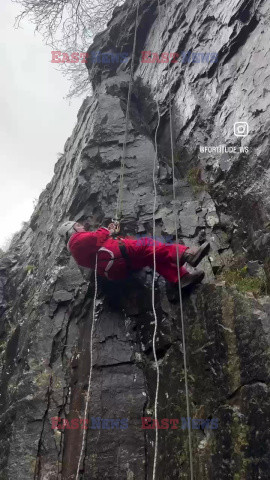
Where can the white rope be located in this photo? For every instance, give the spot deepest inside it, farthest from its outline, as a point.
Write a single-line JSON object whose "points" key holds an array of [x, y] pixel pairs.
{"points": [[153, 300], [90, 371], [117, 216], [181, 312], [180, 291], [122, 168], [153, 285], [179, 288]]}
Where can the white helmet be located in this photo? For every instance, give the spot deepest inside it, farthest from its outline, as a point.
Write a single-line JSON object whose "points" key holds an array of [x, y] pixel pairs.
{"points": [[66, 229]]}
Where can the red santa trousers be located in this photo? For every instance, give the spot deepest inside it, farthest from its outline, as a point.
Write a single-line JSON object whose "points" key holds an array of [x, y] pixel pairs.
{"points": [[85, 245]]}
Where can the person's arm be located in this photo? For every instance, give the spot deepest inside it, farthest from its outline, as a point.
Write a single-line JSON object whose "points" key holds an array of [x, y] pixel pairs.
{"points": [[88, 241]]}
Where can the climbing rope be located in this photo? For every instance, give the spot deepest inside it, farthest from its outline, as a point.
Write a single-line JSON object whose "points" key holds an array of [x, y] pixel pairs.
{"points": [[179, 287], [153, 284], [181, 309], [118, 211], [117, 217], [153, 298], [90, 371]]}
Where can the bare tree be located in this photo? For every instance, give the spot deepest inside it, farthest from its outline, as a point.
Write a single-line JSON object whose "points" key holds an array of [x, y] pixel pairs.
{"points": [[69, 26]]}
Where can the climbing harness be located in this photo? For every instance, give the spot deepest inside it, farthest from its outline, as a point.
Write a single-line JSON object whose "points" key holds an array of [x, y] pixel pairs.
{"points": [[110, 263], [123, 250]]}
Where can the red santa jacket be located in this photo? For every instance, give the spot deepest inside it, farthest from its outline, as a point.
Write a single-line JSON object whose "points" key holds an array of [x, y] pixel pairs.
{"points": [[84, 247]]}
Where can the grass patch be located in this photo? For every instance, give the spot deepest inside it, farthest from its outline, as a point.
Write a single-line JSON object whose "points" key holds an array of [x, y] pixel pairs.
{"points": [[243, 281], [177, 158], [194, 177]]}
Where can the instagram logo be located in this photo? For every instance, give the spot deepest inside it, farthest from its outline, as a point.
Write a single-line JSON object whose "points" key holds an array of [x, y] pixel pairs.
{"points": [[240, 129]]}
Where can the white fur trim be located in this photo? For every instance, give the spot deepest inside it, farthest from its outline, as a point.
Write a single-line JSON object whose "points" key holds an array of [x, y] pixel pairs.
{"points": [[110, 263]]}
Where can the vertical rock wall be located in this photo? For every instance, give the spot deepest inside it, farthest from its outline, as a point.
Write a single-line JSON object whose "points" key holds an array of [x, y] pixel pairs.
{"points": [[46, 301]]}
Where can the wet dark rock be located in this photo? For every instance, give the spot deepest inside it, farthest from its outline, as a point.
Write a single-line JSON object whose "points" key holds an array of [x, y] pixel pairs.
{"points": [[46, 301]]}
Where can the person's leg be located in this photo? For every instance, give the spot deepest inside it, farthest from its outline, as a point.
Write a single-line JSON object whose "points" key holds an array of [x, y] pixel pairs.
{"points": [[194, 255], [191, 256], [170, 272], [142, 253], [187, 280], [166, 263], [172, 253]]}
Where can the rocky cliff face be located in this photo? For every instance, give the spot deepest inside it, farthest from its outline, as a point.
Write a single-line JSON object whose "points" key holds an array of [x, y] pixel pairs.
{"points": [[46, 301]]}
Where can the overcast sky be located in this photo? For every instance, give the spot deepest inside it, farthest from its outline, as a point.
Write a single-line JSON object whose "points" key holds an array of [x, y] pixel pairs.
{"points": [[35, 120]]}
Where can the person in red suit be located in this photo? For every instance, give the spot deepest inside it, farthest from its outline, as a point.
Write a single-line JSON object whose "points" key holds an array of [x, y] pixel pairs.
{"points": [[118, 257]]}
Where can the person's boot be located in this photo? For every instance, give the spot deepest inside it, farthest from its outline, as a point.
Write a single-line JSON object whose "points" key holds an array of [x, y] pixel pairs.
{"points": [[194, 255], [188, 279], [192, 278]]}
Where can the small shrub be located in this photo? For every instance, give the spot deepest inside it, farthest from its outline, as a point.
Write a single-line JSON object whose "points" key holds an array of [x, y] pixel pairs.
{"points": [[30, 268]]}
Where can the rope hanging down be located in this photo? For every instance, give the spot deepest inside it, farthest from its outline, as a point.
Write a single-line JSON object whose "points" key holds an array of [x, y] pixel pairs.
{"points": [[153, 281], [181, 310], [90, 371], [153, 298], [118, 211], [179, 285], [117, 216]]}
